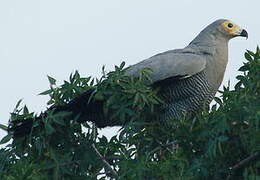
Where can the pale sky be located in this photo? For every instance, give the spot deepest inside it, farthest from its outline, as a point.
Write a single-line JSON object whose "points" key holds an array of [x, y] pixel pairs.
{"points": [[56, 37]]}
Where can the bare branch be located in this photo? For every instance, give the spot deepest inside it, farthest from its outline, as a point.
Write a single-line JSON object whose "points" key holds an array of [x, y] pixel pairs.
{"points": [[162, 146], [242, 163], [107, 165]]}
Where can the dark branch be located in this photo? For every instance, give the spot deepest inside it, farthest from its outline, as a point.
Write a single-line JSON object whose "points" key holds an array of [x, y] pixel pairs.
{"points": [[243, 163], [162, 146]]}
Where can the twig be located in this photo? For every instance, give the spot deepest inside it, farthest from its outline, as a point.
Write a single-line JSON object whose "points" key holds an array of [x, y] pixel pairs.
{"points": [[105, 162], [70, 163], [192, 124], [113, 158], [242, 163], [162, 146]]}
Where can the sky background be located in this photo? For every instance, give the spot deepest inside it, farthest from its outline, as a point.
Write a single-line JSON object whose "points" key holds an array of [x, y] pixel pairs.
{"points": [[56, 37]]}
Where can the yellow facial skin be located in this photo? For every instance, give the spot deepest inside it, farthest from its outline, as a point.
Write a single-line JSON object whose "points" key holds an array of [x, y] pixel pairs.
{"points": [[231, 28]]}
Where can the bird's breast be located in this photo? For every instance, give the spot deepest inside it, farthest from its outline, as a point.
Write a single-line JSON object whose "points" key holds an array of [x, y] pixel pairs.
{"points": [[185, 95]]}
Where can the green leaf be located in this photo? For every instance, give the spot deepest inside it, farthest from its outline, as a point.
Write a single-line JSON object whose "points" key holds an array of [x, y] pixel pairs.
{"points": [[244, 68], [240, 77], [3, 127], [25, 110], [7, 138], [250, 53], [122, 65], [18, 104], [248, 57], [46, 92], [52, 81]]}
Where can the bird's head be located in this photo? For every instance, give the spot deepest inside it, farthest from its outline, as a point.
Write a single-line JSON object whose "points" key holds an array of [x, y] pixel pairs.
{"points": [[221, 29], [230, 29]]}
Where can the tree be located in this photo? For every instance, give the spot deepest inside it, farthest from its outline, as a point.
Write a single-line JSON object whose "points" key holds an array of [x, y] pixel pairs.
{"points": [[220, 143]]}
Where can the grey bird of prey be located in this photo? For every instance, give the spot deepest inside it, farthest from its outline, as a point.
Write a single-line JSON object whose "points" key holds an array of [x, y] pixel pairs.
{"points": [[188, 78]]}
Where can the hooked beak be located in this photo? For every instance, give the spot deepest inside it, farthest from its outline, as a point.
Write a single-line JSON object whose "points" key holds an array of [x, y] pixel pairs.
{"points": [[243, 33]]}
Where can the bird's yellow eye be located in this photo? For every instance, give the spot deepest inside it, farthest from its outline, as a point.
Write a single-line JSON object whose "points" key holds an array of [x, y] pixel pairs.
{"points": [[230, 25], [231, 28]]}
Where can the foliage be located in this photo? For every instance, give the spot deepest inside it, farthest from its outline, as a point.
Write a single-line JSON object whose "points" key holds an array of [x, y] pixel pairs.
{"points": [[223, 143]]}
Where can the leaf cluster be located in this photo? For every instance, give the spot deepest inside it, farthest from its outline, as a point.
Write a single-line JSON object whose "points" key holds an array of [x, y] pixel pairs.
{"points": [[222, 143]]}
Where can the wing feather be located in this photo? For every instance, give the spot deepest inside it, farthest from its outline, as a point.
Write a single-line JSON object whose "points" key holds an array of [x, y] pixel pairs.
{"points": [[182, 63]]}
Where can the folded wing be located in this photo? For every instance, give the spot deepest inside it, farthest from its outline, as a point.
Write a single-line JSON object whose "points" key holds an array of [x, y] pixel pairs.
{"points": [[176, 63]]}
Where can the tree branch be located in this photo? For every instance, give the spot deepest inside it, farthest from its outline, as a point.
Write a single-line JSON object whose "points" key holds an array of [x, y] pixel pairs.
{"points": [[162, 146], [70, 163], [242, 163], [107, 165]]}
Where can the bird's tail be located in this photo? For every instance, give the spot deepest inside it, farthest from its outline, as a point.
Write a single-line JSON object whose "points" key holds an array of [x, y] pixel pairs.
{"points": [[21, 127], [81, 108]]}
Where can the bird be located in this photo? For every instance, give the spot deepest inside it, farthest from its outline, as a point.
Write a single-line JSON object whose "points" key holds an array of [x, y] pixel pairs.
{"points": [[188, 78]]}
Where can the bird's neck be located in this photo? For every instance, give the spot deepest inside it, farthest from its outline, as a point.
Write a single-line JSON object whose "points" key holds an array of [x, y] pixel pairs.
{"points": [[208, 39], [216, 65], [216, 50]]}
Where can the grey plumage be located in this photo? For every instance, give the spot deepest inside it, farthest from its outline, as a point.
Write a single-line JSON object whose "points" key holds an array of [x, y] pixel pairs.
{"points": [[190, 77]]}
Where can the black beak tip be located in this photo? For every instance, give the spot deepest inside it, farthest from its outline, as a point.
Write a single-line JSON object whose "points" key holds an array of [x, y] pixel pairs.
{"points": [[244, 33]]}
